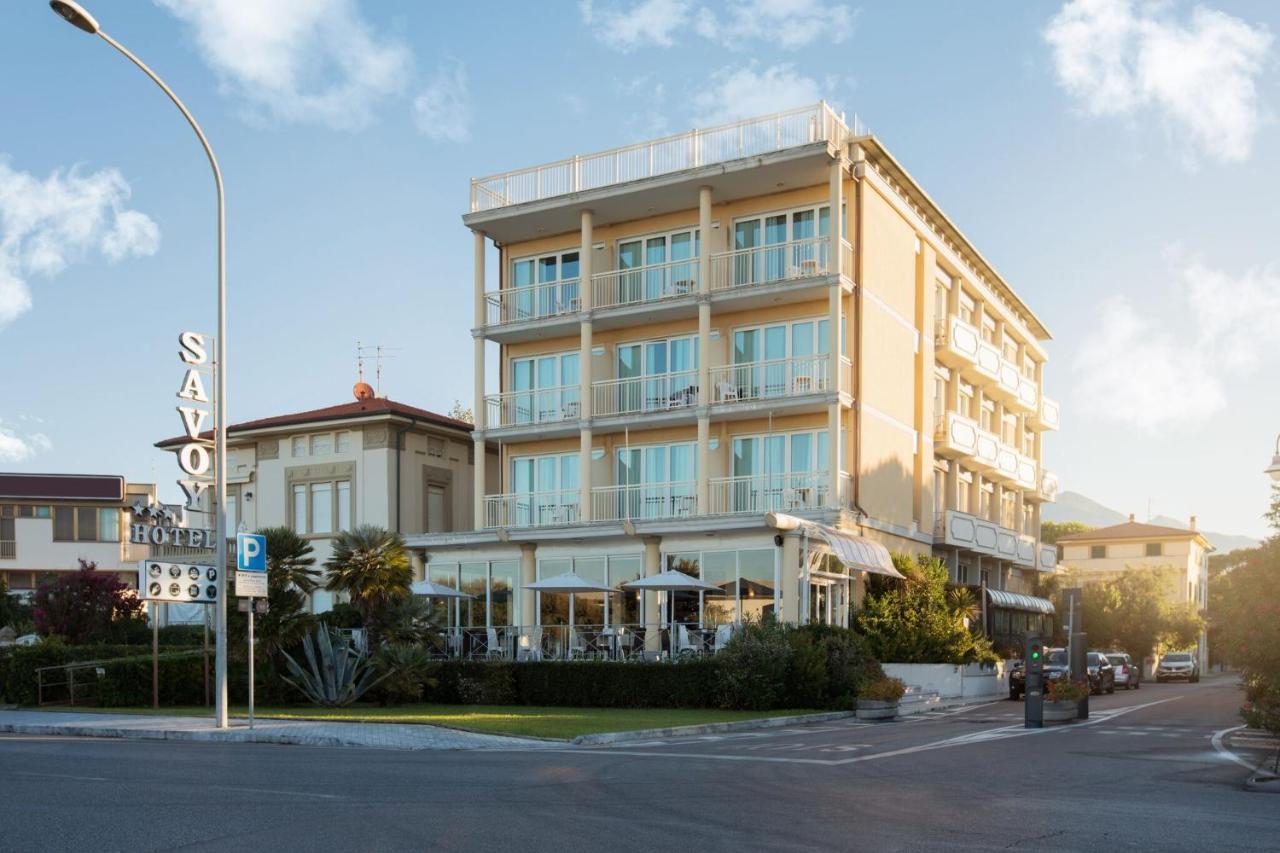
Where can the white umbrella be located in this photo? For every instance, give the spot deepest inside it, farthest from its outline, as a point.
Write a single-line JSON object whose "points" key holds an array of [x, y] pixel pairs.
{"points": [[570, 583], [673, 581], [437, 590]]}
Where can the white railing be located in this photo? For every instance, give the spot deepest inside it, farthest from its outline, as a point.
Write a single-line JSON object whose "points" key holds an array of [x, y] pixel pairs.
{"points": [[956, 433], [797, 259], [661, 392], [1026, 476], [1049, 413], [1048, 486], [543, 406], [957, 342], [846, 258], [644, 501], [8, 549], [746, 138], [638, 285], [776, 378], [770, 492], [533, 302], [531, 509], [1028, 393]]}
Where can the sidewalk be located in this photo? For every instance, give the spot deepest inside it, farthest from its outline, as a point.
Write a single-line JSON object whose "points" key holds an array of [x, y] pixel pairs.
{"points": [[298, 732]]}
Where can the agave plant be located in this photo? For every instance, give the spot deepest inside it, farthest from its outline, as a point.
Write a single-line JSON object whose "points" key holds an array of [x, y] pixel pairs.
{"points": [[338, 673]]}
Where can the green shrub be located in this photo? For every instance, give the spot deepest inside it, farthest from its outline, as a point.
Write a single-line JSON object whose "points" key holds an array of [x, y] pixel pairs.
{"points": [[406, 671], [849, 663], [807, 677], [21, 662], [1066, 690], [884, 689], [754, 667]]}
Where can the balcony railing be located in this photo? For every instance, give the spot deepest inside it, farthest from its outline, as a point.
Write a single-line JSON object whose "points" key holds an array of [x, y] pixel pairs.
{"points": [[531, 509], [533, 302], [652, 283], [526, 408], [771, 264], [955, 435], [1049, 413], [644, 501], [771, 492], [662, 392], [1048, 491], [772, 379], [8, 549], [745, 138]]}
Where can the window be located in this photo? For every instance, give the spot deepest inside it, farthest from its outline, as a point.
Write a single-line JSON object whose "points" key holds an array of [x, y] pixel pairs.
{"points": [[233, 514], [300, 509], [653, 376], [435, 447], [546, 286], [1097, 552], [322, 445], [776, 471], [86, 524], [659, 480], [781, 245], [664, 266], [343, 489], [299, 446], [547, 389], [1155, 549], [546, 489], [437, 507], [322, 507], [343, 442], [64, 524]]}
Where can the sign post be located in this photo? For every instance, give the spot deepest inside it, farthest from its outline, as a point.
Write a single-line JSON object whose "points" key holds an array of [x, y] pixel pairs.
{"points": [[251, 582]]}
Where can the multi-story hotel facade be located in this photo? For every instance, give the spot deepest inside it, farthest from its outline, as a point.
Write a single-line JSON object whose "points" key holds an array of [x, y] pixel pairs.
{"points": [[759, 354]]}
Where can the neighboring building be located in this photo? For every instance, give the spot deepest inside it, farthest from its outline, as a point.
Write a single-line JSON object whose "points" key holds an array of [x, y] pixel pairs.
{"points": [[371, 461], [725, 350], [1107, 552], [49, 522]]}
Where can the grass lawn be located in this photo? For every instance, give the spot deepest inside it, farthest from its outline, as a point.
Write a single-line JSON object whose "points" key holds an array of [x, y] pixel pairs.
{"points": [[493, 719]]}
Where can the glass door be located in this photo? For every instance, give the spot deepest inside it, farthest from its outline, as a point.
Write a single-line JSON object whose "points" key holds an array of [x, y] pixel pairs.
{"points": [[630, 284], [746, 236], [663, 374], [546, 389], [661, 478], [545, 489]]}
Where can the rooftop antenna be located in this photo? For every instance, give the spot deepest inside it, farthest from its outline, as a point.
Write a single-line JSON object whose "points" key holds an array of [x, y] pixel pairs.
{"points": [[377, 352]]}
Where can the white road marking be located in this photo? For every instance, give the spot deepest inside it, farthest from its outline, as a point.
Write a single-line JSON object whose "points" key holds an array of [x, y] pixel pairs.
{"points": [[62, 776], [1216, 740]]}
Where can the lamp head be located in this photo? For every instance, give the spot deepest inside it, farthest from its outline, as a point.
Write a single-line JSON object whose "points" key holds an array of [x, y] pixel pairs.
{"points": [[1274, 468], [75, 15]]}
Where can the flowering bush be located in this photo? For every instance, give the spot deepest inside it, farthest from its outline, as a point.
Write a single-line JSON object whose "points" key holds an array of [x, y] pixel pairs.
{"points": [[884, 690], [1066, 690], [86, 606]]}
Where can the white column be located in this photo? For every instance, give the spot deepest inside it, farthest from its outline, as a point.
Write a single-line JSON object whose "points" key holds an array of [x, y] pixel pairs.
{"points": [[528, 574], [584, 368], [835, 302], [703, 488], [479, 412]]}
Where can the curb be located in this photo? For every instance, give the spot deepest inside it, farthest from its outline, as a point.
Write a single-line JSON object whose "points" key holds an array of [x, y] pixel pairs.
{"points": [[605, 738], [172, 734], [1263, 782]]}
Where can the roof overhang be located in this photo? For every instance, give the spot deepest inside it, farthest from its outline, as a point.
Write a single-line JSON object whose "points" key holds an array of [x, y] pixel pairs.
{"points": [[1018, 601], [855, 553]]}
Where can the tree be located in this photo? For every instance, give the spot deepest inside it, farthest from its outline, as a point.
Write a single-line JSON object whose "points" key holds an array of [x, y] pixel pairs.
{"points": [[460, 412], [912, 621], [1131, 612], [14, 612], [370, 564], [291, 577], [1050, 531], [86, 606]]}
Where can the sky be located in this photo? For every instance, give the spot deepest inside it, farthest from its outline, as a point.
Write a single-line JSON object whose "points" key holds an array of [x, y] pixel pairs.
{"points": [[1118, 162]]}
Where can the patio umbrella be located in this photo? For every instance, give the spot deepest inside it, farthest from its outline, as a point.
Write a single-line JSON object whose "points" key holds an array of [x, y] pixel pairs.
{"points": [[673, 581], [570, 583], [437, 590]]}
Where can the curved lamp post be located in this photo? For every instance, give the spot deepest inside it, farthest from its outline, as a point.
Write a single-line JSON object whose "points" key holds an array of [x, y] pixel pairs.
{"points": [[74, 14], [1274, 468]]}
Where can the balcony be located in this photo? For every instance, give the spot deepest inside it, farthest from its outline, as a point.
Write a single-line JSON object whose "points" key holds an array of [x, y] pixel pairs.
{"points": [[982, 536], [645, 285], [799, 261], [751, 137], [1026, 474], [788, 492], [1047, 489], [769, 384], [644, 502], [1045, 417], [531, 509], [1048, 558], [8, 549], [536, 310], [661, 393], [549, 410], [955, 436]]}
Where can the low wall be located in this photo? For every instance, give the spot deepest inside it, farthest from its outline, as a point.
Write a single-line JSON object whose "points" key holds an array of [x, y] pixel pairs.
{"points": [[952, 681]]}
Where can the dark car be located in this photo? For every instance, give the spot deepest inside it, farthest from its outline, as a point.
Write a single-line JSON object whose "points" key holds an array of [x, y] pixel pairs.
{"points": [[1055, 667], [1102, 675], [1128, 673], [1178, 665]]}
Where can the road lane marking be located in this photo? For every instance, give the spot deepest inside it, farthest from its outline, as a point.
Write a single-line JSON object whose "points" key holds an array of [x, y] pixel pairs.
{"points": [[1228, 754], [61, 776]]}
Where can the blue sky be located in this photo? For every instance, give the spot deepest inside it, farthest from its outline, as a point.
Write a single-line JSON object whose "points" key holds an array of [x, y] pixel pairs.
{"points": [[1116, 161]]}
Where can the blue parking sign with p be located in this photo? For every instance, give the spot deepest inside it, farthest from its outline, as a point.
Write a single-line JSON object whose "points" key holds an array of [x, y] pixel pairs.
{"points": [[251, 552]]}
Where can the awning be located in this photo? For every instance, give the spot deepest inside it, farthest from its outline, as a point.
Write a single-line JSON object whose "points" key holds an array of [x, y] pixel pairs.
{"points": [[1017, 601], [854, 552]]}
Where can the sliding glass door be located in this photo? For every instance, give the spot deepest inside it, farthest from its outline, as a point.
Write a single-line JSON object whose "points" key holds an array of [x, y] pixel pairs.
{"points": [[545, 489], [546, 286], [657, 375], [778, 472], [779, 246], [658, 481], [780, 359], [665, 265], [546, 389]]}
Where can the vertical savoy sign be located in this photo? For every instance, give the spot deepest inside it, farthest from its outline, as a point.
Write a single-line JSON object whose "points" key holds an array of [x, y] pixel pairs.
{"points": [[194, 455]]}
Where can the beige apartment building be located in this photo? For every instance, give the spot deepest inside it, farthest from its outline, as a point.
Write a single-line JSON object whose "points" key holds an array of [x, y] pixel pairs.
{"points": [[757, 353]]}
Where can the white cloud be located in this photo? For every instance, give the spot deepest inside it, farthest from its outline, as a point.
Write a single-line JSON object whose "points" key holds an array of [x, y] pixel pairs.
{"points": [[1119, 57], [297, 60], [443, 110], [1148, 368], [734, 93], [789, 24], [47, 224], [625, 28], [16, 448]]}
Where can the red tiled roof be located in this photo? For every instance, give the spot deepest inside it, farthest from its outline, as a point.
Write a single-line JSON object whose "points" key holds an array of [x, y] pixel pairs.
{"points": [[377, 406], [62, 487], [1130, 530]]}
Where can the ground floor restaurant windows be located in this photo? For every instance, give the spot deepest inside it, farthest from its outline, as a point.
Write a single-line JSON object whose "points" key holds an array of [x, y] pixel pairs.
{"points": [[746, 578], [624, 607], [494, 587]]}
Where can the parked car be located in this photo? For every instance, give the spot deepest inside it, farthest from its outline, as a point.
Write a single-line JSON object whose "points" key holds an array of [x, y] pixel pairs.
{"points": [[1055, 667], [1128, 673], [1102, 675], [1177, 665]]}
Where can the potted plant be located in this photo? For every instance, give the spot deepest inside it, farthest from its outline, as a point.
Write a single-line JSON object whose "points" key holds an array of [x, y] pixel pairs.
{"points": [[879, 699], [1062, 700]]}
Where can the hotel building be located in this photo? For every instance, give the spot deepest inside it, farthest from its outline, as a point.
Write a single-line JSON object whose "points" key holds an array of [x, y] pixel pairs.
{"points": [[747, 353]]}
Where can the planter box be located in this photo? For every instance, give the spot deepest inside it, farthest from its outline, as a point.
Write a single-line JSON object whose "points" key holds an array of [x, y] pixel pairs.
{"points": [[1060, 712], [874, 709]]}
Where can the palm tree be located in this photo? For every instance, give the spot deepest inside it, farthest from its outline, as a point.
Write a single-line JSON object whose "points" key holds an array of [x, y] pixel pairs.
{"points": [[291, 577], [289, 560], [370, 564]]}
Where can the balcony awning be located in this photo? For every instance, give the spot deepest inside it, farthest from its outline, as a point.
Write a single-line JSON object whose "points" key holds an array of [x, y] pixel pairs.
{"points": [[1017, 601], [854, 552]]}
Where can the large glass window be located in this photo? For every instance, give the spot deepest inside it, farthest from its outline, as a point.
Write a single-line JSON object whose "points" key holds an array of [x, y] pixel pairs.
{"points": [[779, 471], [86, 524], [685, 607], [474, 611], [626, 607], [664, 266], [779, 360], [443, 610], [781, 245], [553, 607], [745, 578], [661, 480], [546, 389], [504, 592], [589, 610], [545, 488], [321, 508], [546, 285], [655, 376], [317, 506]]}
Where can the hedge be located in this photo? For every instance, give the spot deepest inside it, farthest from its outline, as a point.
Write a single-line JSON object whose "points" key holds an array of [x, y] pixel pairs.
{"points": [[596, 684]]}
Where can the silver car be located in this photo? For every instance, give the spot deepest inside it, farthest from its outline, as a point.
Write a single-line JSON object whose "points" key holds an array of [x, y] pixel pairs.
{"points": [[1128, 674], [1178, 665]]}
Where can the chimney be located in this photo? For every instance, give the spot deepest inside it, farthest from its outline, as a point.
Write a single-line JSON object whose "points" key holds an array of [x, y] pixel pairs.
{"points": [[1131, 518], [1193, 522]]}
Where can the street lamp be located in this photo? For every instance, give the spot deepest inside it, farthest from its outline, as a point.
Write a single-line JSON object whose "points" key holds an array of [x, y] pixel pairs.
{"points": [[74, 14], [1274, 468]]}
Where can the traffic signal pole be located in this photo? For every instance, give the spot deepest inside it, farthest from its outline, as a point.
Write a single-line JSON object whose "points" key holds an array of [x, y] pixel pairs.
{"points": [[1033, 667]]}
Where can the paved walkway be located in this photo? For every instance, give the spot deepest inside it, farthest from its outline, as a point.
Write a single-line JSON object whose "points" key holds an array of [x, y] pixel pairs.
{"points": [[301, 732]]}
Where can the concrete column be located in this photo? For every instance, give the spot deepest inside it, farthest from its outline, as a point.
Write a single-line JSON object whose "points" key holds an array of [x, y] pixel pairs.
{"points": [[790, 586], [704, 239], [705, 393], [836, 191], [585, 378], [703, 488], [478, 486], [478, 366], [528, 574], [835, 304], [585, 508], [651, 617]]}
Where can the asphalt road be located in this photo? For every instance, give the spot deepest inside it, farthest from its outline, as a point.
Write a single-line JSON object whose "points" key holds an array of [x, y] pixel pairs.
{"points": [[1142, 774]]}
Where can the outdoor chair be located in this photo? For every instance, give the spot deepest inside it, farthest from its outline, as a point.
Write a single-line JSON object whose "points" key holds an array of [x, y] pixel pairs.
{"points": [[726, 393], [494, 648], [724, 633], [575, 649], [635, 644], [530, 645]]}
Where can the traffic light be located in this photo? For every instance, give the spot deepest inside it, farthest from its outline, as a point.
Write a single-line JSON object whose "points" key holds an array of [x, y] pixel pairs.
{"points": [[1035, 655]]}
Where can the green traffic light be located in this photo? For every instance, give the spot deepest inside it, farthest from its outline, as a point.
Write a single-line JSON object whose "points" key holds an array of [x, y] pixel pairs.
{"points": [[1035, 655]]}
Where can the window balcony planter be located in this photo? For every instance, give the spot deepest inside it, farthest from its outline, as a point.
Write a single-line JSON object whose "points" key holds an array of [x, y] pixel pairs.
{"points": [[879, 699]]}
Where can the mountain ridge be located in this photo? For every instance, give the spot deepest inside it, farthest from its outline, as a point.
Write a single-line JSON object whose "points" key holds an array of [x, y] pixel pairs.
{"points": [[1073, 506]]}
